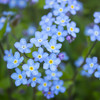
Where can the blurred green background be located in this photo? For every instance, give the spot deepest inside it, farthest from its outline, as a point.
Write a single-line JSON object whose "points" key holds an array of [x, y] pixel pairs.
{"points": [[82, 88]]}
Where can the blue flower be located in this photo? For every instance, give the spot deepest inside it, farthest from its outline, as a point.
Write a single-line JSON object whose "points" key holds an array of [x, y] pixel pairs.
{"points": [[49, 94], [57, 87], [31, 67], [23, 46], [8, 54], [47, 19], [73, 6], [97, 73], [12, 3], [84, 73], [40, 39], [59, 9], [53, 75], [51, 62], [4, 1], [8, 13], [60, 34], [97, 17], [40, 55], [44, 85], [20, 77], [91, 65], [72, 29], [34, 79], [31, 30], [62, 1], [2, 22], [14, 61], [94, 33], [62, 20], [49, 29], [63, 56], [21, 3], [52, 46], [49, 4], [79, 61]]}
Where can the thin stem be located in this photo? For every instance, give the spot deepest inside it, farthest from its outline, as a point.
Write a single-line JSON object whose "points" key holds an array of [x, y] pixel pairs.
{"points": [[1, 47], [76, 72]]}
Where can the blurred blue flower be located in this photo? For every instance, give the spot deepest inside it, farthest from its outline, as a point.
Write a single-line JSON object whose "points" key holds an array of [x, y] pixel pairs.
{"points": [[23, 46], [20, 77], [59, 9], [47, 19], [8, 54], [49, 29], [84, 73], [57, 87], [14, 61], [49, 94], [97, 73], [91, 65], [4, 1], [60, 34], [51, 62], [73, 6], [62, 20], [52, 46], [31, 67], [40, 39], [5, 13], [49, 4], [34, 79], [63, 56], [72, 29], [31, 30], [97, 17], [53, 75], [79, 61], [40, 55], [94, 33], [44, 85]]}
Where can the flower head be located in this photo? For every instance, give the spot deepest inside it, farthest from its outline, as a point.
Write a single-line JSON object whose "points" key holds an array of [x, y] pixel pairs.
{"points": [[20, 77]]}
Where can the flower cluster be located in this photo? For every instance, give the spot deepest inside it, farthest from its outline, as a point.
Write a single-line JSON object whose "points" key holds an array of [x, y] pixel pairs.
{"points": [[94, 30], [17, 3], [56, 26], [91, 67]]}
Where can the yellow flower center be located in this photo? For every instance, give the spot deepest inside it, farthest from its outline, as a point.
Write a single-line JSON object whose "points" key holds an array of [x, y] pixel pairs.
{"points": [[39, 40], [15, 61], [34, 79], [52, 47], [59, 33], [51, 2], [9, 55], [49, 93], [48, 28], [45, 84], [57, 87], [31, 68], [71, 29], [53, 74], [39, 56], [50, 61], [20, 76], [72, 7], [60, 9], [62, 21], [23, 46], [96, 33], [91, 65]]}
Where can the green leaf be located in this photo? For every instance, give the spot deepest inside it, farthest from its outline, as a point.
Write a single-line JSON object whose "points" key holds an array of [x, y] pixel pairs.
{"points": [[5, 83], [3, 30]]}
